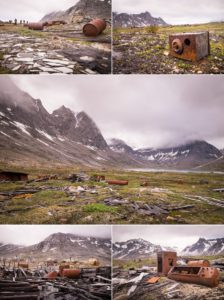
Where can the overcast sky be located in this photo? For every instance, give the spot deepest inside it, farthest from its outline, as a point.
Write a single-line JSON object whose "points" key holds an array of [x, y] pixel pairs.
{"points": [[32, 234], [144, 111], [178, 236], [31, 10], [175, 11]]}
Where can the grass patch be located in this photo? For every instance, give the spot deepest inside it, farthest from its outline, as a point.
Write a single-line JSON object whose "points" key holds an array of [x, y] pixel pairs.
{"points": [[98, 207]]}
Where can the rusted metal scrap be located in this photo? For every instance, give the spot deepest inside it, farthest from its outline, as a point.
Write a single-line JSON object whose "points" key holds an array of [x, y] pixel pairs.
{"points": [[95, 27], [117, 182], [207, 276], [198, 263], [189, 46], [166, 260]]}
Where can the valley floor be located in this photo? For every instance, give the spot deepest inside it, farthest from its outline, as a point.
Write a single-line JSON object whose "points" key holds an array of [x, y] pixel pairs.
{"points": [[138, 51], [61, 49], [164, 198]]}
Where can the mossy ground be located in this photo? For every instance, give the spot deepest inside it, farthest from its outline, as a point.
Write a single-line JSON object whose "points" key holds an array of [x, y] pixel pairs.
{"points": [[137, 51], [57, 206]]}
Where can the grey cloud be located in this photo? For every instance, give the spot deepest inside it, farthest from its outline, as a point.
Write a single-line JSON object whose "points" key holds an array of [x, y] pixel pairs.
{"points": [[178, 236], [144, 111], [175, 11], [31, 10], [31, 234]]}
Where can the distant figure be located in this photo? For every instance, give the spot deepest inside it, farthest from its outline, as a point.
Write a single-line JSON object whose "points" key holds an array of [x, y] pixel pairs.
{"points": [[15, 22]]}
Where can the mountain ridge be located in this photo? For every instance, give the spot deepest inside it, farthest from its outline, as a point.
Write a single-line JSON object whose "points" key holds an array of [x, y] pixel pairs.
{"points": [[136, 20]]}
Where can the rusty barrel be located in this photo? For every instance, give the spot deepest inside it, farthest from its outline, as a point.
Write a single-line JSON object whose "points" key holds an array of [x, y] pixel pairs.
{"points": [[36, 26], [62, 267], [52, 275], [117, 182], [198, 263], [95, 27], [71, 273]]}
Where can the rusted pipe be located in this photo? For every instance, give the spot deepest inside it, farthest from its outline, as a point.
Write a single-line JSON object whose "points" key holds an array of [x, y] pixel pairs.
{"points": [[117, 182], [95, 27], [71, 273]]}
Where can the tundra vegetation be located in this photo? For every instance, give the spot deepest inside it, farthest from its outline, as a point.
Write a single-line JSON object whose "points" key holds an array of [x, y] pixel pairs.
{"points": [[164, 198], [146, 50]]}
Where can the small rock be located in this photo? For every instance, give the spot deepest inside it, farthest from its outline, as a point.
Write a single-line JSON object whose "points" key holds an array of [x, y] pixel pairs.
{"points": [[88, 219]]}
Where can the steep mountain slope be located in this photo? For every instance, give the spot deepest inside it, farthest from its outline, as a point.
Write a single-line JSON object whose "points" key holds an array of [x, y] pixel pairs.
{"points": [[205, 247], [135, 248], [83, 9], [120, 146], [136, 20], [30, 135], [62, 246]]}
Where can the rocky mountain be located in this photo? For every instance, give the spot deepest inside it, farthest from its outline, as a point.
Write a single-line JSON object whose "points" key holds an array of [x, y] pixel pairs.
{"points": [[120, 146], [136, 248], [190, 155], [136, 20], [205, 247], [83, 9], [31, 135], [62, 246]]}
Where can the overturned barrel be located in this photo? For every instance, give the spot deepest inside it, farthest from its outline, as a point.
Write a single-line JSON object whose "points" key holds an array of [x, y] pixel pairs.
{"points": [[95, 27], [36, 26], [62, 267], [52, 275], [71, 273]]}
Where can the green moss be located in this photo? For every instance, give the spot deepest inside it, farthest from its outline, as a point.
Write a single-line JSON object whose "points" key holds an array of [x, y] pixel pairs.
{"points": [[98, 207]]}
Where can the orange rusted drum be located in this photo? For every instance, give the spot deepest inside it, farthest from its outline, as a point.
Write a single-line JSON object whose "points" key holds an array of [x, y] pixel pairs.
{"points": [[52, 275], [71, 273], [95, 27], [198, 263], [22, 265], [117, 182], [36, 26], [62, 267], [199, 275]]}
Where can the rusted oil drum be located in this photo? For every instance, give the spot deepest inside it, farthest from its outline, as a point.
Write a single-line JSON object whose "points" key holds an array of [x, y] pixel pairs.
{"points": [[52, 275], [117, 182], [62, 267], [36, 26], [198, 263], [95, 27], [24, 266], [71, 273]]}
